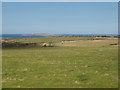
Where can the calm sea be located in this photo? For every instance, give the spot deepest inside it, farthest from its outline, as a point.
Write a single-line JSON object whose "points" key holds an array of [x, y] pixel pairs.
{"points": [[22, 35], [18, 35]]}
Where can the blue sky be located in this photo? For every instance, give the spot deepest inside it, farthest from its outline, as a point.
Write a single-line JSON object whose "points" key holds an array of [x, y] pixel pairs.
{"points": [[0, 17], [60, 17]]}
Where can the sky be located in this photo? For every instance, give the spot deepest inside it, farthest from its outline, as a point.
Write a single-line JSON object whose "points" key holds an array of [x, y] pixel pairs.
{"points": [[60, 17], [0, 17]]}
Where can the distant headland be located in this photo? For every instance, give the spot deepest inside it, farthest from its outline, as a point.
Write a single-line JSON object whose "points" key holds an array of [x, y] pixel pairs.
{"points": [[40, 34]]}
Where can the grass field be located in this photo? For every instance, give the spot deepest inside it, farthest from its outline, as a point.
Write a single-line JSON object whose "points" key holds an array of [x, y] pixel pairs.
{"points": [[81, 63]]}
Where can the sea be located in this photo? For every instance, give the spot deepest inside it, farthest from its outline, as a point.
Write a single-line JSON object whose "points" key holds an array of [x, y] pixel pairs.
{"points": [[18, 35], [30, 36]]}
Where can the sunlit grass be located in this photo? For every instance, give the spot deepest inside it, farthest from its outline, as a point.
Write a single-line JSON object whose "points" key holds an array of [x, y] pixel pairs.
{"points": [[87, 64]]}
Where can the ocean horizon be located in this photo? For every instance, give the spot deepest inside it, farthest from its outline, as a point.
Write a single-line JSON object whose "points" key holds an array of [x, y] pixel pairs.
{"points": [[19, 35], [31, 35]]}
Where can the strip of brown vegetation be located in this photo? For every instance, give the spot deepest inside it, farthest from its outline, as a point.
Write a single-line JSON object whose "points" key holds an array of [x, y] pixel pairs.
{"points": [[18, 44]]}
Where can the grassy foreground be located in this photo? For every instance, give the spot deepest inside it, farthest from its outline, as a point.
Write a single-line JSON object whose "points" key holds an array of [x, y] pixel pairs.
{"points": [[74, 64]]}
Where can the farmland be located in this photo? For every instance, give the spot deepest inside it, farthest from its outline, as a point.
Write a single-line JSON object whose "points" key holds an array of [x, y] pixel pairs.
{"points": [[81, 62]]}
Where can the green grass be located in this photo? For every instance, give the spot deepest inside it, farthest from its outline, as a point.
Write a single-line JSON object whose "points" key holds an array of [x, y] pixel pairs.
{"points": [[53, 39], [83, 66]]}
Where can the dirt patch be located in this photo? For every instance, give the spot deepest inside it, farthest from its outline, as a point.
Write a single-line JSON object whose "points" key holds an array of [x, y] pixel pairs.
{"points": [[69, 45], [97, 40]]}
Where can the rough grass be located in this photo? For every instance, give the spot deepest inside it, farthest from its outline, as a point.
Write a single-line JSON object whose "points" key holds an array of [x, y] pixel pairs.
{"points": [[54, 39], [83, 66]]}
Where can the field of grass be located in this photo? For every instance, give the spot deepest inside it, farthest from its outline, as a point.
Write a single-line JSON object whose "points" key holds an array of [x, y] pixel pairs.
{"points": [[53, 39], [81, 63]]}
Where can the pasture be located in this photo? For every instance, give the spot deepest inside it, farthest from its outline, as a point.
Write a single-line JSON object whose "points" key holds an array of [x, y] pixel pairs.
{"points": [[78, 63]]}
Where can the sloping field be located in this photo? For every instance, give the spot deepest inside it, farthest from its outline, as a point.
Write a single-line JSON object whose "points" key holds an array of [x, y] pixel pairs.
{"points": [[74, 64]]}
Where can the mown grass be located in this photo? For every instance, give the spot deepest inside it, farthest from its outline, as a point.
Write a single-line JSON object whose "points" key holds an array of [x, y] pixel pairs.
{"points": [[81, 66]]}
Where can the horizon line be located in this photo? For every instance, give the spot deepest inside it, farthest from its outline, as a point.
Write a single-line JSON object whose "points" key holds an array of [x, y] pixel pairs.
{"points": [[59, 0], [63, 33]]}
